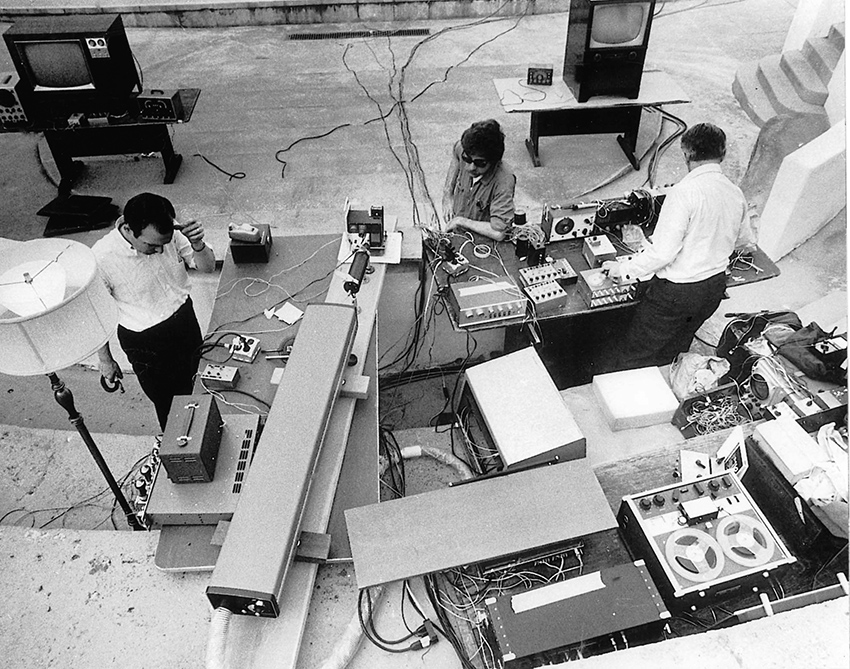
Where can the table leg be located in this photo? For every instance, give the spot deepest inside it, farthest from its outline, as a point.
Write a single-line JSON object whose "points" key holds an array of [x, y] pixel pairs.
{"points": [[69, 169], [171, 159], [532, 143], [628, 140]]}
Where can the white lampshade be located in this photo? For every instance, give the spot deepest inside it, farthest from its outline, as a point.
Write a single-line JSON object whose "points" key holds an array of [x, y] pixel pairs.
{"points": [[54, 309]]}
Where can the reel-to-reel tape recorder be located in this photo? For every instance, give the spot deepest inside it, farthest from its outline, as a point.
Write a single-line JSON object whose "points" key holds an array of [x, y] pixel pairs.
{"points": [[702, 539]]}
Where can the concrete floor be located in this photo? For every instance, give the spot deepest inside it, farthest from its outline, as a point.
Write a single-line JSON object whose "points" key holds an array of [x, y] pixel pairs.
{"points": [[92, 598]]}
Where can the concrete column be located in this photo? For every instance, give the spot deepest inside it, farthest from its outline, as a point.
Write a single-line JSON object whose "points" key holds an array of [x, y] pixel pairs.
{"points": [[808, 192], [835, 104]]}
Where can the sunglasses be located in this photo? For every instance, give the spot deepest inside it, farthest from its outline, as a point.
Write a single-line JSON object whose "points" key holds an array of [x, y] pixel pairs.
{"points": [[478, 162]]}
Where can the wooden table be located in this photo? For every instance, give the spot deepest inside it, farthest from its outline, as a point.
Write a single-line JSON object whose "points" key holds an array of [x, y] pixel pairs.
{"points": [[241, 300], [555, 111], [570, 326], [503, 262]]}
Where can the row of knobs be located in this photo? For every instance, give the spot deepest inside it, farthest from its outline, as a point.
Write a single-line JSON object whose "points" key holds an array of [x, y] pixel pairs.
{"points": [[659, 500], [498, 311]]}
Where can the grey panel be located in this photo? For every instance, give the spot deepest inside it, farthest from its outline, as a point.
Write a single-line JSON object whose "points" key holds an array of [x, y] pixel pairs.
{"points": [[262, 535], [477, 521]]}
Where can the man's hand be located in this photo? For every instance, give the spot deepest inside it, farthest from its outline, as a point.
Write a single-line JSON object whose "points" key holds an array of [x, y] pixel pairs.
{"points": [[110, 370], [611, 268], [448, 210], [194, 232]]}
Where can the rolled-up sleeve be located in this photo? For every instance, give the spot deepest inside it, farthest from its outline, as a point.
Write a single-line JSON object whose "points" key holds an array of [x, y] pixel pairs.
{"points": [[666, 241]]}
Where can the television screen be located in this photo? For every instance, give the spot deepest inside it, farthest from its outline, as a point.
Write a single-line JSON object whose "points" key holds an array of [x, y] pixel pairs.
{"points": [[57, 65], [619, 24]]}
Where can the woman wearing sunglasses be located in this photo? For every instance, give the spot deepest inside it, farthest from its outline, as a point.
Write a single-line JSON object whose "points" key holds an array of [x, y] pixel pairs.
{"points": [[479, 190]]}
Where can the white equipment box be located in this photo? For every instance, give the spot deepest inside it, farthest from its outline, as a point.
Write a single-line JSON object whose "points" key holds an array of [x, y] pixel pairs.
{"points": [[523, 410]]}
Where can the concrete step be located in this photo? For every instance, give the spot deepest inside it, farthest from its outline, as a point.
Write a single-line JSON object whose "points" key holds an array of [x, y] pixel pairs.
{"points": [[803, 77], [779, 89], [823, 54], [751, 95], [836, 34]]}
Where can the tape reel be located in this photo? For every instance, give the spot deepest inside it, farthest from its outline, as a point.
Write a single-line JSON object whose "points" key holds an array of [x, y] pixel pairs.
{"points": [[745, 540], [694, 555]]}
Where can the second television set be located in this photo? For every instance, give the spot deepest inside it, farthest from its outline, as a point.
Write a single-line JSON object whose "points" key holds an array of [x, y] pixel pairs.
{"points": [[606, 47]]}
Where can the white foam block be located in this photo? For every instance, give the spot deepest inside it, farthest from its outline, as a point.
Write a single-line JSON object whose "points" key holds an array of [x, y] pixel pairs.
{"points": [[635, 398]]}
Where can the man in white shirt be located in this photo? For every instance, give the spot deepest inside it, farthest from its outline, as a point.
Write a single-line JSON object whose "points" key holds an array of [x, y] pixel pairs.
{"points": [[143, 261], [703, 220]]}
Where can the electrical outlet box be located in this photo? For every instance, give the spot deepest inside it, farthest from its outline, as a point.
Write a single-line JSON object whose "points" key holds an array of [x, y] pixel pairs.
{"points": [[597, 250], [244, 349], [220, 376]]}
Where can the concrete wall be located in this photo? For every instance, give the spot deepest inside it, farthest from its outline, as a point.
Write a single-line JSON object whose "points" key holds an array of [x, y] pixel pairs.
{"points": [[808, 192], [813, 18], [835, 104]]}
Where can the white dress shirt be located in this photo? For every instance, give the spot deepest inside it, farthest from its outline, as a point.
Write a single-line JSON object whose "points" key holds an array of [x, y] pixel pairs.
{"points": [[147, 288], [704, 218]]}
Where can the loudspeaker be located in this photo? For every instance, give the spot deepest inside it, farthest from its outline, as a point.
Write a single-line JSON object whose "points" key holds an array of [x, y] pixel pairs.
{"points": [[11, 110], [158, 105]]}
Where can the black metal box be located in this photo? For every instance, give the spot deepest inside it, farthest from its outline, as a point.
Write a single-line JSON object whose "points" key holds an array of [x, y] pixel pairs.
{"points": [[159, 105], [191, 439], [253, 252]]}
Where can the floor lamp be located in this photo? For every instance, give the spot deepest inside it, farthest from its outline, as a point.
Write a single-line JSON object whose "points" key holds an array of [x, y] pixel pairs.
{"points": [[55, 312]]}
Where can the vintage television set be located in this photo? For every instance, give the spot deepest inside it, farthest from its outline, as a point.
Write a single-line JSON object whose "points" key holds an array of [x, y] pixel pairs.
{"points": [[606, 47], [72, 64]]}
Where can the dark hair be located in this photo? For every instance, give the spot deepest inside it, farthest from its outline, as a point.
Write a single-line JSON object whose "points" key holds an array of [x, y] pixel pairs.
{"points": [[485, 139], [704, 141], [147, 209]]}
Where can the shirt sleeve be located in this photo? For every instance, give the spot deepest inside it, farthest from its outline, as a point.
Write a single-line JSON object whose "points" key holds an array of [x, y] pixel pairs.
{"points": [[747, 234], [184, 248], [666, 241], [102, 276], [502, 204]]}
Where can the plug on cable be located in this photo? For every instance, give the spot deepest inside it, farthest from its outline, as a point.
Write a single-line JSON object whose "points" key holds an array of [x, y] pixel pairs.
{"points": [[427, 636]]}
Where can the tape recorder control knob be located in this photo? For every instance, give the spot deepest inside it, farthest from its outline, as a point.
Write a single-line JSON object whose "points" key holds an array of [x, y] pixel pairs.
{"points": [[658, 500], [645, 504]]}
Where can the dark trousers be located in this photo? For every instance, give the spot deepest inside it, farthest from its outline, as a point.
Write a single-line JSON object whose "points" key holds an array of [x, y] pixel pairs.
{"points": [[165, 357], [665, 321]]}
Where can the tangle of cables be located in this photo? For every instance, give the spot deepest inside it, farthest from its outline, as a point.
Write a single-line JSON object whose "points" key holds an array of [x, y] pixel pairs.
{"points": [[712, 414], [530, 232]]}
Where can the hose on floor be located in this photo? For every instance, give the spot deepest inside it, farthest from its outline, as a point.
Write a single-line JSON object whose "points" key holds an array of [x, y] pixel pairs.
{"points": [[217, 638], [349, 642]]}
